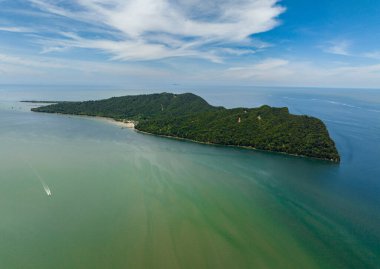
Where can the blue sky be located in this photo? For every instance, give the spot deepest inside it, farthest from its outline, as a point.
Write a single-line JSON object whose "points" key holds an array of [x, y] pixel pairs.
{"points": [[191, 42]]}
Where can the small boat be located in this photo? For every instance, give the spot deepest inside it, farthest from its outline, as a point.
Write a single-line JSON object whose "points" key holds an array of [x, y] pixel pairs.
{"points": [[48, 192]]}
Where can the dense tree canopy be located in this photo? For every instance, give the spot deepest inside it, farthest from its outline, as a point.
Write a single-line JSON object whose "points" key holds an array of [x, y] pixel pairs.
{"points": [[190, 117]]}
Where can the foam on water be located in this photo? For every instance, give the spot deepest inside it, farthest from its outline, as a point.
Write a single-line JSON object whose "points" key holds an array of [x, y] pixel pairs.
{"points": [[43, 183]]}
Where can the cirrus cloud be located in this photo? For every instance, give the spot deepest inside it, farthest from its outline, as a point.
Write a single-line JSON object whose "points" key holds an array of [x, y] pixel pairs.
{"points": [[155, 29]]}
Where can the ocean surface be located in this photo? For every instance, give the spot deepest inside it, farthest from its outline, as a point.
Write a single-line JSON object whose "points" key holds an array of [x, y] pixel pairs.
{"points": [[121, 199]]}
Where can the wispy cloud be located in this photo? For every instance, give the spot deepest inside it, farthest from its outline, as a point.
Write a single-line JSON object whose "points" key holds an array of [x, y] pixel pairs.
{"points": [[282, 72], [155, 29], [372, 55], [268, 72], [30, 62], [16, 29], [261, 70], [266, 64], [40, 68], [47, 63], [338, 47]]}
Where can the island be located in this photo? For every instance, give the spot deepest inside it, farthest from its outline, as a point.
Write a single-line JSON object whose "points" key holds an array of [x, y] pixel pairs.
{"points": [[188, 116], [41, 102]]}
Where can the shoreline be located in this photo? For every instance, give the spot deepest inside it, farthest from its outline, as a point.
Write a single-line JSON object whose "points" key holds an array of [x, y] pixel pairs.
{"points": [[130, 124], [240, 147], [124, 124]]}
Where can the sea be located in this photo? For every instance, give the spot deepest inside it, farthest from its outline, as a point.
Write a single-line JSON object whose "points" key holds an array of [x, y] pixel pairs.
{"points": [[78, 192]]}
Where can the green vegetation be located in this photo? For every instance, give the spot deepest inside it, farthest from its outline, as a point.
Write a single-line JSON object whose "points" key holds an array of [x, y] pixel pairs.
{"points": [[190, 117], [138, 107]]}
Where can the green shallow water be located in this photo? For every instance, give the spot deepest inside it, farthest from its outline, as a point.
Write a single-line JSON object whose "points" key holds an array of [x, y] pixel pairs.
{"points": [[121, 199]]}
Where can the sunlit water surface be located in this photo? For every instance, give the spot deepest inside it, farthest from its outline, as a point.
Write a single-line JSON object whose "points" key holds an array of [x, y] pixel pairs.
{"points": [[121, 199]]}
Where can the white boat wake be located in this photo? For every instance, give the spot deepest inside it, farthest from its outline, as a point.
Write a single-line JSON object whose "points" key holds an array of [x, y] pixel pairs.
{"points": [[43, 183], [46, 188]]}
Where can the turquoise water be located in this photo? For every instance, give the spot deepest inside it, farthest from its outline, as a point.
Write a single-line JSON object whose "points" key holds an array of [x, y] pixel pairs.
{"points": [[121, 199]]}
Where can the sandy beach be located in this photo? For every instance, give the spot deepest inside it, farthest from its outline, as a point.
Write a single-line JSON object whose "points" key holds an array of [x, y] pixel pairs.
{"points": [[122, 124]]}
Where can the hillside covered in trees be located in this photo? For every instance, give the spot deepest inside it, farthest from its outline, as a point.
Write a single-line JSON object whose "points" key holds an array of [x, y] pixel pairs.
{"points": [[190, 117]]}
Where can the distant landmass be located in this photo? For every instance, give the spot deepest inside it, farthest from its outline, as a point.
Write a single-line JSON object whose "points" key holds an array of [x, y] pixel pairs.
{"points": [[188, 116], [41, 102]]}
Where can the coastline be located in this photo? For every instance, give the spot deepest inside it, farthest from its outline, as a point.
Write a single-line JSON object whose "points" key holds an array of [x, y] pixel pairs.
{"points": [[130, 124], [123, 124], [239, 147]]}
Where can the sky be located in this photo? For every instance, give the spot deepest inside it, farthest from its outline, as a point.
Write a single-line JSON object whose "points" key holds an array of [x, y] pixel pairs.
{"points": [[148, 43]]}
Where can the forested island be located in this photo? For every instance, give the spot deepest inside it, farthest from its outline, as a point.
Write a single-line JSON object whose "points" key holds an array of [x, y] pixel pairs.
{"points": [[188, 116]]}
